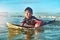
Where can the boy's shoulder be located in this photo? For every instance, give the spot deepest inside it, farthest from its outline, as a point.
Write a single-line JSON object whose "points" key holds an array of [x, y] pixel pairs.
{"points": [[35, 18]]}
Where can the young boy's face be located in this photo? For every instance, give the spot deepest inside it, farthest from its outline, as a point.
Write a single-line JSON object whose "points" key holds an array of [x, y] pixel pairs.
{"points": [[28, 14]]}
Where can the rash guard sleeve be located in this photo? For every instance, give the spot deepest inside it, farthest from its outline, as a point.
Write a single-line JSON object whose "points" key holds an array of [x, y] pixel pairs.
{"points": [[38, 23], [23, 22]]}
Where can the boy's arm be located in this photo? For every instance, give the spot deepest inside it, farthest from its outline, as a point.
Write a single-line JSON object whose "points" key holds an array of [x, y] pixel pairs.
{"points": [[38, 23], [22, 23]]}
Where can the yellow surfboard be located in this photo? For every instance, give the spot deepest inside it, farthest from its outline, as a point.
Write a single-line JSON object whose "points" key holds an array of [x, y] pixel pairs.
{"points": [[10, 25]]}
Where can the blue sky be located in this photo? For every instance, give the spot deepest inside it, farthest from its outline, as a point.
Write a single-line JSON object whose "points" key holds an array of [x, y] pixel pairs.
{"points": [[44, 6]]}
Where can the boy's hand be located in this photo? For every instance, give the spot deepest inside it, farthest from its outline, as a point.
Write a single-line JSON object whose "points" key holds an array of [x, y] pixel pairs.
{"points": [[37, 25], [20, 27]]}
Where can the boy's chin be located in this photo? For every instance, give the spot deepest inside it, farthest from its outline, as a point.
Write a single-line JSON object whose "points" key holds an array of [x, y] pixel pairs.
{"points": [[27, 17]]}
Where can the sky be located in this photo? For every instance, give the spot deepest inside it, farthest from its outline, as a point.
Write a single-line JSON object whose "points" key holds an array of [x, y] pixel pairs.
{"points": [[38, 6]]}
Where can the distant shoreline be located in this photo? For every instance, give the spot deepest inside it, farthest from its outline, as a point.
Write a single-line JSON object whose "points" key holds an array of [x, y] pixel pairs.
{"points": [[35, 16]]}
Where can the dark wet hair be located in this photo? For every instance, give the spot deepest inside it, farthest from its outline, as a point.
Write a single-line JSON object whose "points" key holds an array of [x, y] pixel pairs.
{"points": [[29, 9]]}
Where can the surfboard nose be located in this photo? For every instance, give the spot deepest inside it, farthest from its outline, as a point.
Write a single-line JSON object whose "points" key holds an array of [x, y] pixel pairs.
{"points": [[10, 25]]}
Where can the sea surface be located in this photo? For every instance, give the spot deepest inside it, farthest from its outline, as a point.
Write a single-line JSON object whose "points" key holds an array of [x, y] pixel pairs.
{"points": [[47, 32]]}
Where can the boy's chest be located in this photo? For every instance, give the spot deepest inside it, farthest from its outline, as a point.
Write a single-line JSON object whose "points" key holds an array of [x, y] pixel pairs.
{"points": [[30, 22]]}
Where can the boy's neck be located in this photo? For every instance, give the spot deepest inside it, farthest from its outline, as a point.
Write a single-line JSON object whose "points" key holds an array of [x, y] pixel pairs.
{"points": [[29, 17]]}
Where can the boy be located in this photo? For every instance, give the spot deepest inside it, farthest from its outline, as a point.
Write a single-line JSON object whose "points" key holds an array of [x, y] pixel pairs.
{"points": [[32, 21]]}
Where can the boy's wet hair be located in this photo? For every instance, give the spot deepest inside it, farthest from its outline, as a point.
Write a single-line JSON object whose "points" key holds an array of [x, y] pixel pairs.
{"points": [[29, 9]]}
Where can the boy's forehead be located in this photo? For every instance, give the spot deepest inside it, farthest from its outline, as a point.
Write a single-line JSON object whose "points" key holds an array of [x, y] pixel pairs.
{"points": [[27, 11]]}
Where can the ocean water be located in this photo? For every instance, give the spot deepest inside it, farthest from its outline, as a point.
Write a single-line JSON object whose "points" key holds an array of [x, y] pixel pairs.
{"points": [[48, 32]]}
